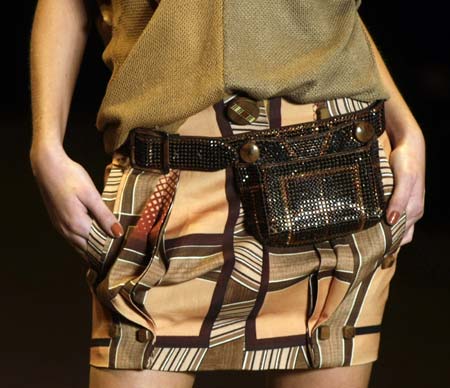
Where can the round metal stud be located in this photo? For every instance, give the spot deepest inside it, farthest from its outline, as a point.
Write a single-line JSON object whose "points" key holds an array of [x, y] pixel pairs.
{"points": [[348, 331], [249, 151], [388, 261], [364, 131], [324, 332], [143, 335], [242, 110]]}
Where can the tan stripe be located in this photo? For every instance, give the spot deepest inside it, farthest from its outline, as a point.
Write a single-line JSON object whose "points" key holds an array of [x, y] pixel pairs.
{"points": [[227, 337]]}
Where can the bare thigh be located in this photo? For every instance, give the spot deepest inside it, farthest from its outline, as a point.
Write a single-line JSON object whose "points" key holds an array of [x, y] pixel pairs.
{"points": [[356, 376], [121, 378]]}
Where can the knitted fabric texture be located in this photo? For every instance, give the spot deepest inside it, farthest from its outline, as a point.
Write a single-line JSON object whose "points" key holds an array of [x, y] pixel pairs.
{"points": [[170, 59]]}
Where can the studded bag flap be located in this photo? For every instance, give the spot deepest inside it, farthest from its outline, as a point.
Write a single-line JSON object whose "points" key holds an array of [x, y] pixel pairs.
{"points": [[320, 184]]}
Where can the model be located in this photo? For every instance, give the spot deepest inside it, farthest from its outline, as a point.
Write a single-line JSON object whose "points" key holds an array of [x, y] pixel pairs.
{"points": [[265, 172]]}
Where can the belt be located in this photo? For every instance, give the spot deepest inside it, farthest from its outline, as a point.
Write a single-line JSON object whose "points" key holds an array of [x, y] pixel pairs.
{"points": [[151, 148]]}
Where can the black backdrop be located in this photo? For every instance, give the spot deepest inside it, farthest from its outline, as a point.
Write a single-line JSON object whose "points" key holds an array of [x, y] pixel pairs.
{"points": [[46, 306]]}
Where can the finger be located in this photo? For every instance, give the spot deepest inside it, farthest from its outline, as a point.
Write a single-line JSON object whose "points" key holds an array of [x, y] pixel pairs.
{"points": [[82, 225], [74, 219], [411, 219], [46, 200], [55, 218], [51, 211], [81, 252], [407, 238], [403, 184], [74, 240], [79, 244], [103, 215], [416, 203]]}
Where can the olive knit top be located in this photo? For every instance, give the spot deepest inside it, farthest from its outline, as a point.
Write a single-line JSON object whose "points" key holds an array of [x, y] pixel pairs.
{"points": [[171, 59]]}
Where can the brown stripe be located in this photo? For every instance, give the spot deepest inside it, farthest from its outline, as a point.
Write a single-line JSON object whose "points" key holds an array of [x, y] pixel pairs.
{"points": [[228, 252], [274, 112], [114, 341], [279, 285], [359, 301], [194, 239]]}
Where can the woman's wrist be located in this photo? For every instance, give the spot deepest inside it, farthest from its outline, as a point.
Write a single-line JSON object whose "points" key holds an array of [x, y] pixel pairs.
{"points": [[45, 151], [401, 126]]}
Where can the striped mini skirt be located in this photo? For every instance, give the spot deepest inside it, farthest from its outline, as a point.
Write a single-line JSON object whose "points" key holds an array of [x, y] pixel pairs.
{"points": [[186, 288]]}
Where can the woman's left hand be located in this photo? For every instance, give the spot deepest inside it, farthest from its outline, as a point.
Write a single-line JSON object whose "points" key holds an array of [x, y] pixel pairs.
{"points": [[407, 160]]}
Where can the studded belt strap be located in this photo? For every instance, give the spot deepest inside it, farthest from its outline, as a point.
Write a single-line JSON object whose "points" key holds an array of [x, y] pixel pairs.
{"points": [[150, 148]]}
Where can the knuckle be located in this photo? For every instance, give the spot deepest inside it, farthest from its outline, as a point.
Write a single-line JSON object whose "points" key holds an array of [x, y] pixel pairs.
{"points": [[92, 196], [405, 242], [416, 214], [72, 225], [82, 246], [409, 236], [421, 213]]}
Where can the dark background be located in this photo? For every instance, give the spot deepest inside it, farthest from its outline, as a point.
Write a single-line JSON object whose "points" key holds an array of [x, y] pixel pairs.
{"points": [[46, 305]]}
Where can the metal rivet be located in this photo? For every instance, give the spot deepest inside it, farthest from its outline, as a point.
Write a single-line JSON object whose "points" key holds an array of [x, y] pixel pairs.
{"points": [[143, 335], [324, 332], [242, 110], [388, 261], [249, 152], [348, 331], [323, 113], [364, 131]]}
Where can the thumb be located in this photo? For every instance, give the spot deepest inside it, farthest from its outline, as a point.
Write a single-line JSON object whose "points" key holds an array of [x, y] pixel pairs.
{"points": [[103, 215]]}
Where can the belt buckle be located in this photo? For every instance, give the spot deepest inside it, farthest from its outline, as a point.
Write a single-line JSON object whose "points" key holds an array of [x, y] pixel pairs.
{"points": [[164, 136]]}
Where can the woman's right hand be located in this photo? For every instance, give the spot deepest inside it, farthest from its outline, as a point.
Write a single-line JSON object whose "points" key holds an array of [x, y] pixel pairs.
{"points": [[70, 196]]}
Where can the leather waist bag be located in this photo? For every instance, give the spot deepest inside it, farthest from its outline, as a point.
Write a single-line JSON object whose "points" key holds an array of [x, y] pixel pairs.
{"points": [[299, 184]]}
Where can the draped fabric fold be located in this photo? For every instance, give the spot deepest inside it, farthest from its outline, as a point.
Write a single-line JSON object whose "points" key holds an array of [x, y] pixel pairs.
{"points": [[119, 287]]}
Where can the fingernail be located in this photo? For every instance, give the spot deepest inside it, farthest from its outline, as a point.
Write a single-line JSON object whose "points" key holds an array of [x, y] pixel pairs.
{"points": [[393, 217], [117, 229]]}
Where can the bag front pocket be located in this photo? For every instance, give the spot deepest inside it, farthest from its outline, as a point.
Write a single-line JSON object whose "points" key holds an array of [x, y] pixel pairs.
{"points": [[312, 199]]}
